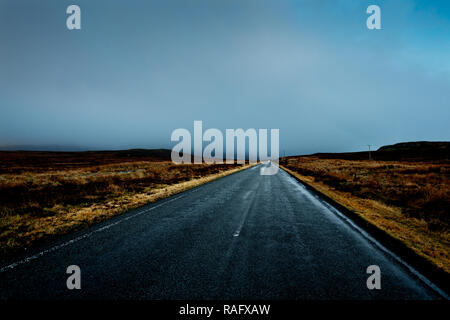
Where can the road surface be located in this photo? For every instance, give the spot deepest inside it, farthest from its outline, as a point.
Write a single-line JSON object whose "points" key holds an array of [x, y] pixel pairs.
{"points": [[244, 236]]}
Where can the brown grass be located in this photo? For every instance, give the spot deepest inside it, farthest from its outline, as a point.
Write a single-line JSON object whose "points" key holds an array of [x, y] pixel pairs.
{"points": [[408, 200], [39, 204]]}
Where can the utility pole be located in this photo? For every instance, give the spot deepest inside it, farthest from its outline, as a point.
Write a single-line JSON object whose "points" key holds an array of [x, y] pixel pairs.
{"points": [[369, 151]]}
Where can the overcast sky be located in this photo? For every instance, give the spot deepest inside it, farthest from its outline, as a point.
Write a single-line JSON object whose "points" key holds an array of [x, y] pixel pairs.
{"points": [[137, 70]]}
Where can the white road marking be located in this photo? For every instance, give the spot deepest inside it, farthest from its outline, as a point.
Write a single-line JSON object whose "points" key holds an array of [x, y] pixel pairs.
{"points": [[247, 194], [87, 235], [330, 209], [244, 217]]}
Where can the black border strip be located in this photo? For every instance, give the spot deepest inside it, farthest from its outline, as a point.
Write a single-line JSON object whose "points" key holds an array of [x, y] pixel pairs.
{"points": [[289, 309]]}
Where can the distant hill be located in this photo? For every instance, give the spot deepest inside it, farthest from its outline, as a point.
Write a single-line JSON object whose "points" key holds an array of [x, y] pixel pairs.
{"points": [[404, 151], [418, 147], [163, 154], [12, 161], [41, 147]]}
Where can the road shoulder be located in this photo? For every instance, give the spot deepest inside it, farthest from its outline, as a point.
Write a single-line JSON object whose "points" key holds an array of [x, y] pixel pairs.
{"points": [[391, 241]]}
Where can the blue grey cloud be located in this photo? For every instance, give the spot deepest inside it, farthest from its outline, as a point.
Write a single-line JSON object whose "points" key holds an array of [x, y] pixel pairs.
{"points": [[139, 69]]}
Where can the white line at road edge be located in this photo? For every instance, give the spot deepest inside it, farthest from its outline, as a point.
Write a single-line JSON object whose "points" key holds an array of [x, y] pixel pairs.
{"points": [[84, 236], [87, 235], [326, 205]]}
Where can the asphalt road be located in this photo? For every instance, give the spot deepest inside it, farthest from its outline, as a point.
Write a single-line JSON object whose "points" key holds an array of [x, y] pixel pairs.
{"points": [[244, 236]]}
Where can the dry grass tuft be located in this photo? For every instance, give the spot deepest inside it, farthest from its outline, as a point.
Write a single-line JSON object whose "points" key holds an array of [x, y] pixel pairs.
{"points": [[40, 204], [408, 200]]}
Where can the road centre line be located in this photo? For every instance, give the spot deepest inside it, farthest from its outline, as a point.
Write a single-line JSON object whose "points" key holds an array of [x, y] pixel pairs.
{"points": [[84, 236]]}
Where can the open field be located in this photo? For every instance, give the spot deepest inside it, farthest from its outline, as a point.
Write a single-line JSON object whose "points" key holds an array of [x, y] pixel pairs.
{"points": [[44, 194], [410, 200]]}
